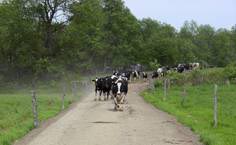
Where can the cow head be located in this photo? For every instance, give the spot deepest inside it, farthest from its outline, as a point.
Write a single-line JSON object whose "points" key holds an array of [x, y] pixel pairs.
{"points": [[119, 84], [95, 80]]}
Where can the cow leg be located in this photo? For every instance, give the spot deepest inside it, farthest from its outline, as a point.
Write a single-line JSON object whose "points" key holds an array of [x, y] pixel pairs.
{"points": [[112, 96], [104, 96], [108, 94], [100, 94], [116, 103], [95, 99], [122, 99]]}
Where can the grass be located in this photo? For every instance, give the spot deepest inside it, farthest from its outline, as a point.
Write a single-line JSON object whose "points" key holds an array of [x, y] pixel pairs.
{"points": [[197, 110], [16, 117]]}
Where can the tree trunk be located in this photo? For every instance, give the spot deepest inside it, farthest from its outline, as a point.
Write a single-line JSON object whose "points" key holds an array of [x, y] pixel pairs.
{"points": [[48, 38]]}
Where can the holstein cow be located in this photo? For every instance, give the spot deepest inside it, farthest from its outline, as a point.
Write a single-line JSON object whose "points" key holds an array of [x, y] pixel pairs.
{"points": [[144, 75], [135, 74], [120, 90], [116, 73], [155, 75], [180, 68], [162, 71], [103, 86], [114, 78], [98, 87], [106, 87], [195, 65], [126, 74]]}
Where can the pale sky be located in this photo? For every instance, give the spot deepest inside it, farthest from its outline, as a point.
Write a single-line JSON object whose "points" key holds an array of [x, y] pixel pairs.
{"points": [[217, 13]]}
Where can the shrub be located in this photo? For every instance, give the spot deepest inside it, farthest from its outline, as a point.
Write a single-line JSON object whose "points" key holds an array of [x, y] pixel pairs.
{"points": [[158, 83], [178, 78], [230, 71], [197, 77]]}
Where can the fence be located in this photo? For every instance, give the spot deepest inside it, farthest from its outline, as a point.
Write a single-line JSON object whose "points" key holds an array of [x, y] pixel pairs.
{"points": [[29, 106], [76, 86], [217, 98]]}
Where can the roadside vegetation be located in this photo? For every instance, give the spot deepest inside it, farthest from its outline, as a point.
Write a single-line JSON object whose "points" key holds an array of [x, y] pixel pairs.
{"points": [[194, 107], [16, 117]]}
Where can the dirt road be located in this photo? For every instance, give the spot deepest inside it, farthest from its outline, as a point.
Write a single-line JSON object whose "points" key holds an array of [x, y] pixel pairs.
{"points": [[95, 123]]}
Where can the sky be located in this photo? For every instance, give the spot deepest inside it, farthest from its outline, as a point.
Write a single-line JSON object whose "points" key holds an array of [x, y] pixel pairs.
{"points": [[217, 13]]}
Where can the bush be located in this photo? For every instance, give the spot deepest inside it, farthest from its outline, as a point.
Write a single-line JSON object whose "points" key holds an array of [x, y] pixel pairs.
{"points": [[177, 78], [197, 77], [230, 72], [158, 83], [207, 76]]}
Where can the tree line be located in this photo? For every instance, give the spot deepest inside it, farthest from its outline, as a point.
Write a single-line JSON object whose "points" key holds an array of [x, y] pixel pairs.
{"points": [[39, 37]]}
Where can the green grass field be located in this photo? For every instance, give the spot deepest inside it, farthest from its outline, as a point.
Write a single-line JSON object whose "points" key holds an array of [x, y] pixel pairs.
{"points": [[197, 110], [16, 117]]}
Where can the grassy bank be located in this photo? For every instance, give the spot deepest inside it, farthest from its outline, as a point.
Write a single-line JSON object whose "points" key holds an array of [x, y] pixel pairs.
{"points": [[197, 110], [16, 117]]}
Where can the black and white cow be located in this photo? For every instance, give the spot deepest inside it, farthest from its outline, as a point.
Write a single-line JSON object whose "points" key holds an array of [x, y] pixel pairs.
{"points": [[135, 75], [106, 87], [144, 75], [180, 68], [116, 73], [126, 74], [103, 86], [155, 75], [98, 87], [195, 65], [120, 90], [162, 71]]}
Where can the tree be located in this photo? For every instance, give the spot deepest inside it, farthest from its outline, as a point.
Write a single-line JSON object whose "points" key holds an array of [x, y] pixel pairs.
{"points": [[52, 16], [223, 53], [19, 38], [204, 43], [122, 33], [159, 42], [83, 39]]}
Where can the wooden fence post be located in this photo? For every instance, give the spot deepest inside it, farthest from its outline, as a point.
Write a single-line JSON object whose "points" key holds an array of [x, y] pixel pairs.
{"points": [[165, 89], [227, 82], [169, 83], [63, 95], [35, 108], [151, 84], [215, 106], [184, 95]]}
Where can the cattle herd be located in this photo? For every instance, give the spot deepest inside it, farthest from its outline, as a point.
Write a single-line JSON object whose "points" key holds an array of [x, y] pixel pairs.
{"points": [[116, 86], [180, 68]]}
